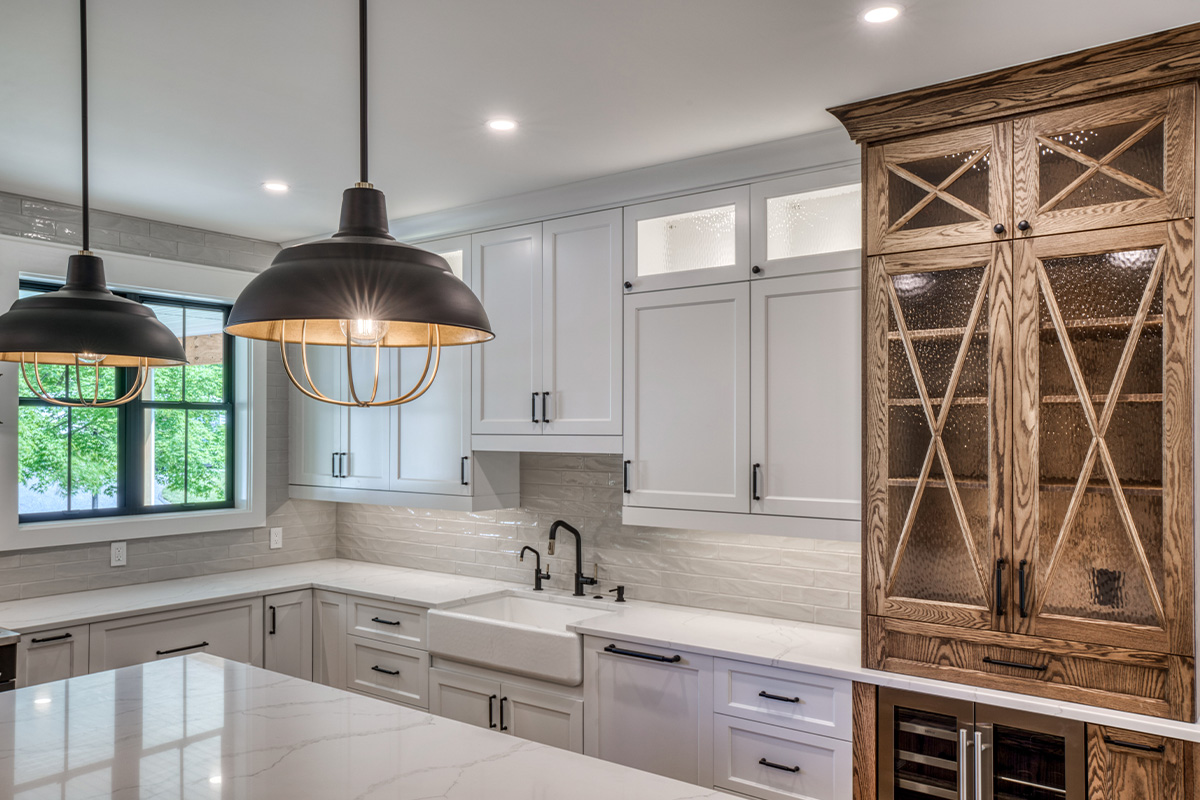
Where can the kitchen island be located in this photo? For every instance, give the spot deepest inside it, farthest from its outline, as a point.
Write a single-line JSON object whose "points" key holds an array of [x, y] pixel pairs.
{"points": [[200, 727]]}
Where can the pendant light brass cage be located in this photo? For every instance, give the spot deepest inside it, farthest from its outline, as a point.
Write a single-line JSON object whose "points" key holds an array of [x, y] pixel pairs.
{"points": [[360, 289]]}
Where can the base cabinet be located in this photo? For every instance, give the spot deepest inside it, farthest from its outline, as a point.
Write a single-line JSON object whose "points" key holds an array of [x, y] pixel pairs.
{"points": [[329, 638], [1128, 764], [231, 630], [52, 655], [774, 763], [288, 642], [387, 671]]}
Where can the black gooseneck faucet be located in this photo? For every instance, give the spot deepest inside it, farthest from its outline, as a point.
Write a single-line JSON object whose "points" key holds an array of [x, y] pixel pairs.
{"points": [[580, 580], [538, 575]]}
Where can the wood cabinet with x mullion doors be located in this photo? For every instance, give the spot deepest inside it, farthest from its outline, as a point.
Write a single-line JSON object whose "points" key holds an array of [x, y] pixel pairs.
{"points": [[1028, 399]]}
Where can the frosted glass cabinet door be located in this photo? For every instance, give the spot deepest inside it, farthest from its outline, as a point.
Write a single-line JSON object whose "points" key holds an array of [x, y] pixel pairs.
{"points": [[581, 308], [806, 224], [695, 240], [506, 275], [317, 429], [806, 395], [687, 398]]}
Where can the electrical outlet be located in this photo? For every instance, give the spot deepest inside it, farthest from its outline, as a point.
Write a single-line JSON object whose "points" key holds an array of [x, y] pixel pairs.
{"points": [[117, 554], [276, 538]]}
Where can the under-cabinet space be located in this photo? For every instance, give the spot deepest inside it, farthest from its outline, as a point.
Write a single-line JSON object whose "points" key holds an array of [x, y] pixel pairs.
{"points": [[52, 655], [230, 630], [773, 763]]}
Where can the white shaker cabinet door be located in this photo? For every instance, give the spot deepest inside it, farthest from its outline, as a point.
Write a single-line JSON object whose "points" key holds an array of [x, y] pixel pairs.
{"points": [[581, 334], [318, 430], [329, 638], [542, 717], [464, 698], [288, 642], [806, 421], [506, 275], [51, 655], [687, 398]]}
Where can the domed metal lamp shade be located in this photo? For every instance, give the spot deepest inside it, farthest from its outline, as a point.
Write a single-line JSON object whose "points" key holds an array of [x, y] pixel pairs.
{"points": [[360, 289], [83, 324]]}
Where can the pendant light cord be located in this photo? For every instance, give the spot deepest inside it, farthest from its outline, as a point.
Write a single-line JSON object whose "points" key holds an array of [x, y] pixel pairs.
{"points": [[83, 73], [362, 89]]}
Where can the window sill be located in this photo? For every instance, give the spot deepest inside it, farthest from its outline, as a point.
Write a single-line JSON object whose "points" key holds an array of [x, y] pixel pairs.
{"points": [[60, 532]]}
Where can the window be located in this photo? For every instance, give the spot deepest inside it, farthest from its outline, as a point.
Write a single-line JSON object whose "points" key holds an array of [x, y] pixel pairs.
{"points": [[169, 450]]}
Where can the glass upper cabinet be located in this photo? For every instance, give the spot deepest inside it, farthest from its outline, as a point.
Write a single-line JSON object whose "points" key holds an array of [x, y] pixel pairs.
{"points": [[1118, 162], [806, 223], [940, 190], [695, 240]]}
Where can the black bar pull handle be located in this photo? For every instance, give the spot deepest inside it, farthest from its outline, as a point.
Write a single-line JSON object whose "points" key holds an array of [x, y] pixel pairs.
{"points": [[533, 408], [754, 481], [999, 587], [1145, 748], [545, 417], [378, 668], [44, 639], [625, 477], [1021, 587], [462, 471], [272, 631], [612, 648], [333, 472], [491, 712], [382, 621], [773, 765], [181, 649], [778, 697], [1016, 664], [503, 727], [342, 460]]}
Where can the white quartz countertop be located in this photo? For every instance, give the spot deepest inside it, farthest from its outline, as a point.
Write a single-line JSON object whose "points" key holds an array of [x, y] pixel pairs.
{"points": [[813, 648], [200, 727]]}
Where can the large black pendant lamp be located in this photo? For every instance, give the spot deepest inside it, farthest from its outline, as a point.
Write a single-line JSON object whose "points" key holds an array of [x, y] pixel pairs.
{"points": [[361, 289], [83, 324]]}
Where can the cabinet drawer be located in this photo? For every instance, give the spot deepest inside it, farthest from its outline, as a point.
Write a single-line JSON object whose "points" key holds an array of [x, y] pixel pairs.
{"points": [[51, 655], [387, 622], [230, 630], [798, 700], [388, 671], [1124, 680], [778, 764]]}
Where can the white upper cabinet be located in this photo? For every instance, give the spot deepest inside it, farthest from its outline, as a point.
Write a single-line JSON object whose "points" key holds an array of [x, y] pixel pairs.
{"points": [[806, 223], [552, 292], [694, 240], [687, 398], [506, 274], [805, 420], [581, 324]]}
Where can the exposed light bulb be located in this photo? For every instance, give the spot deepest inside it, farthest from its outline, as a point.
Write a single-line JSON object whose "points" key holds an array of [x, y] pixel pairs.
{"points": [[364, 331], [89, 358], [502, 124], [881, 14]]}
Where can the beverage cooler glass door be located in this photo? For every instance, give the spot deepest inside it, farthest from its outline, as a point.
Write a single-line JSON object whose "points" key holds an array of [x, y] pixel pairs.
{"points": [[1026, 756], [926, 747]]}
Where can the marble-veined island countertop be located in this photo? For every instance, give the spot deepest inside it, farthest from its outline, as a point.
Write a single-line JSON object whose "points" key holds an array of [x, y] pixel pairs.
{"points": [[200, 727]]}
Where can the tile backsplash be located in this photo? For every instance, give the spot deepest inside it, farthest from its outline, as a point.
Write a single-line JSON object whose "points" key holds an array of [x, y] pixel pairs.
{"points": [[774, 576]]}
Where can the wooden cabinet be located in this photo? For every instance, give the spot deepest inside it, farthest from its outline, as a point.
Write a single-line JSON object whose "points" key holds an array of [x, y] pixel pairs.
{"points": [[52, 655], [288, 644], [649, 708], [329, 638], [553, 294], [230, 630], [1125, 764], [537, 715]]}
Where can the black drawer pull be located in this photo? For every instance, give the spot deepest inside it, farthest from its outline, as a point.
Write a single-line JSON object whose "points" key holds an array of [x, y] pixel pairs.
{"points": [[1145, 748], [385, 621], [773, 765], [533, 412], [1002, 663], [462, 471], [58, 638], [491, 712], [778, 697], [272, 631], [181, 649], [612, 648], [503, 727], [625, 477], [386, 671]]}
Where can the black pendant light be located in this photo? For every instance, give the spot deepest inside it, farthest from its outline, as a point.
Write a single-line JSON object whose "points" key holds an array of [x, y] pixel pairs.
{"points": [[83, 324], [360, 289]]}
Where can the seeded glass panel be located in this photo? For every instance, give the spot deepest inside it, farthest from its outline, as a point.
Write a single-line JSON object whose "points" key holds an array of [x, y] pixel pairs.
{"points": [[1142, 161], [166, 383], [936, 564], [696, 240], [965, 438], [926, 754], [1103, 286], [204, 344], [824, 221], [42, 459], [206, 456], [1028, 765], [908, 441], [94, 458], [938, 300], [972, 187], [166, 456]]}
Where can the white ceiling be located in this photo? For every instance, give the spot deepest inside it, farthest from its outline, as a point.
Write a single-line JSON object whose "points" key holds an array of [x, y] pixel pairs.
{"points": [[196, 102]]}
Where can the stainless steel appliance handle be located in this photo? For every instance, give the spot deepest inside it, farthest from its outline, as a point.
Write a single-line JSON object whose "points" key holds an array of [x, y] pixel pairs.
{"points": [[963, 786], [978, 765]]}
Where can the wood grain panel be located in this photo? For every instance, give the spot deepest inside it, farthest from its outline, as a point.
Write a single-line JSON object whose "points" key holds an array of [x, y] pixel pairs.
{"points": [[866, 724], [875, 442], [1000, 409], [1129, 764], [1156, 60]]}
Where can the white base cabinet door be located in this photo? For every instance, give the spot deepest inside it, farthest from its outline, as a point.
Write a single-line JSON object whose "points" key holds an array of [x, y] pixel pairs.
{"points": [[231, 630], [774, 763], [288, 645], [539, 716], [464, 698], [329, 638], [52, 655], [649, 708]]}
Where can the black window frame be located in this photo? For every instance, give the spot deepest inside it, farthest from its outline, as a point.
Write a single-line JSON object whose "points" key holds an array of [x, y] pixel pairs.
{"points": [[131, 418]]}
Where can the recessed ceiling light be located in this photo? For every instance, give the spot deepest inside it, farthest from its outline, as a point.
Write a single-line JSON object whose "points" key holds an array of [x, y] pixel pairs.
{"points": [[215, 779], [41, 701], [502, 125], [882, 14], [279, 187]]}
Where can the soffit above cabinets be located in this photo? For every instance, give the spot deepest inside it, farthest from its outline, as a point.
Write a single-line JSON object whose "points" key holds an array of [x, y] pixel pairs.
{"points": [[196, 104]]}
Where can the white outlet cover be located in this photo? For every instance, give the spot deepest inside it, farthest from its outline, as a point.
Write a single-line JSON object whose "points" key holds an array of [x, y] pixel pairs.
{"points": [[117, 554], [276, 538]]}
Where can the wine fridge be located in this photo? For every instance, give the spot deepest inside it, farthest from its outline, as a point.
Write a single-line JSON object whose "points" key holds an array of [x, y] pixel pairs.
{"points": [[934, 747]]}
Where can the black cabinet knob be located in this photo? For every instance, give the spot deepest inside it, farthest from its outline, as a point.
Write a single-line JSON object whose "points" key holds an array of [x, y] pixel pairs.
{"points": [[628, 286], [998, 227], [756, 269], [1023, 225]]}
